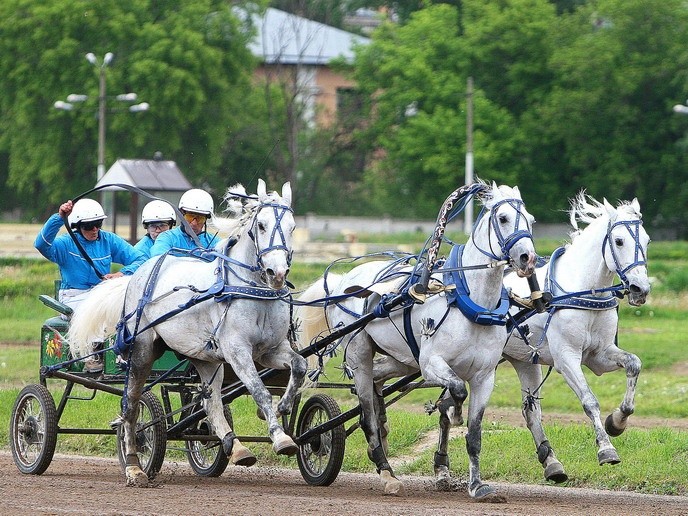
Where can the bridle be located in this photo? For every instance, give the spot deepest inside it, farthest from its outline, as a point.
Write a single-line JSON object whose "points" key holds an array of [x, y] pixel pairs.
{"points": [[277, 234], [639, 258], [505, 242]]}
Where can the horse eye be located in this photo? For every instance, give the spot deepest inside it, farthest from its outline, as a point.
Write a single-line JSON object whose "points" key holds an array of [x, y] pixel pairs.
{"points": [[261, 226], [503, 219], [619, 242]]}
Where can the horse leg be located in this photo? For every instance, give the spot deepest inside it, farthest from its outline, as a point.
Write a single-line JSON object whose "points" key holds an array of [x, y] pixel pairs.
{"points": [[435, 369], [569, 368], [286, 358], [359, 356], [530, 376], [385, 368], [240, 358], [450, 409], [614, 358], [212, 374], [140, 365]]}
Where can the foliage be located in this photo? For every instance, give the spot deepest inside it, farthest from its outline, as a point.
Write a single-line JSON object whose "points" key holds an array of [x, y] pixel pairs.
{"points": [[605, 123], [417, 74], [188, 60]]}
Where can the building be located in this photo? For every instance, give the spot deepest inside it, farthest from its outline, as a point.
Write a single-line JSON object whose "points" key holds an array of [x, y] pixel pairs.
{"points": [[292, 48]]}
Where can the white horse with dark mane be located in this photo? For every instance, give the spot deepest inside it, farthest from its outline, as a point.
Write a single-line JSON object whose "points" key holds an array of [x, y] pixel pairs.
{"points": [[235, 310], [448, 347], [579, 327]]}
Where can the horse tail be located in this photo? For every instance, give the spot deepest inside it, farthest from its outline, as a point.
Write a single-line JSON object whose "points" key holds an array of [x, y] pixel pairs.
{"points": [[96, 317], [312, 317]]}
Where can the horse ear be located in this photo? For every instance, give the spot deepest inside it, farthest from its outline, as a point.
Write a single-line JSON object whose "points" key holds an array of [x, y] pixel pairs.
{"points": [[636, 206], [262, 190], [286, 193], [517, 192], [610, 209]]}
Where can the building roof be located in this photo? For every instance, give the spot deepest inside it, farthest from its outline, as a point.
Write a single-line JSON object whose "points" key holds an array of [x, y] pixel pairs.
{"points": [[148, 174], [289, 39]]}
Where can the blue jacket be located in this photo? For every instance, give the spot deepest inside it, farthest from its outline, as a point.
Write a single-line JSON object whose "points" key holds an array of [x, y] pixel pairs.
{"points": [[179, 239], [144, 245], [75, 271]]}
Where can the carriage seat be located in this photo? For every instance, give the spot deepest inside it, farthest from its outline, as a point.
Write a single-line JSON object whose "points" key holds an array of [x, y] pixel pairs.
{"points": [[53, 303]]}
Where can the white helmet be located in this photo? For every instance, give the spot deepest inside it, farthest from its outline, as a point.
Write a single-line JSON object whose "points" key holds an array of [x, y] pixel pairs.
{"points": [[157, 211], [86, 210], [197, 201]]}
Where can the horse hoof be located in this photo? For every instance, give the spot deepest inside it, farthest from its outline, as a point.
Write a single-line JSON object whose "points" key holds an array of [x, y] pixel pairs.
{"points": [[136, 477], [445, 483], [611, 428], [555, 473], [608, 456], [393, 485], [285, 446], [488, 494], [243, 457]]}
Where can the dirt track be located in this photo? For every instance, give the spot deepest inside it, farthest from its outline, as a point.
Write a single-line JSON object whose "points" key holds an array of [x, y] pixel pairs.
{"points": [[80, 485]]}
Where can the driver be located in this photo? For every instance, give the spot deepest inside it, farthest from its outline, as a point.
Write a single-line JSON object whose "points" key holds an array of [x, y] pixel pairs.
{"points": [[78, 276], [157, 217], [197, 207]]}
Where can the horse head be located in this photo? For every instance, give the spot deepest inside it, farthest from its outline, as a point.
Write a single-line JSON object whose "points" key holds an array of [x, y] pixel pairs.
{"points": [[625, 249], [506, 228], [271, 230]]}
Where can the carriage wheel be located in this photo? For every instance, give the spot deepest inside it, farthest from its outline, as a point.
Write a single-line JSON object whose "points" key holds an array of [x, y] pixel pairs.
{"points": [[321, 458], [208, 458], [33, 429], [151, 441]]}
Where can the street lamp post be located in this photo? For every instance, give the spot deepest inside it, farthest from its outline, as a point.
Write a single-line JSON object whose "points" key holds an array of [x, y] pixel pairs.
{"points": [[680, 108], [102, 105], [468, 179]]}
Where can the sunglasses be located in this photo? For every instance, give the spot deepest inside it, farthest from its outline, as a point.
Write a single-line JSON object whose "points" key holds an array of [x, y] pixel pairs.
{"points": [[158, 226], [190, 217], [88, 226]]}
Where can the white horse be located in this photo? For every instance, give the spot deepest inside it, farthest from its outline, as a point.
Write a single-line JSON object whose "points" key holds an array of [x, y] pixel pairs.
{"points": [[450, 348], [579, 328], [236, 311]]}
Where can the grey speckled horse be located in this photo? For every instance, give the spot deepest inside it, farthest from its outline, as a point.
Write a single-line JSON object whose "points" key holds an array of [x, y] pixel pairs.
{"points": [[245, 320], [452, 349]]}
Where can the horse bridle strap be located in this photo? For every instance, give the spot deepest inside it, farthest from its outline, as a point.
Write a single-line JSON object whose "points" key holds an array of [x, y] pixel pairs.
{"points": [[639, 257], [279, 210], [505, 243]]}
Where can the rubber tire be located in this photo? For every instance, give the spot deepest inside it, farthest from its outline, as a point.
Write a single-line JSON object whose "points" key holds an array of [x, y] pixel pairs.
{"points": [[33, 429], [151, 445], [208, 459], [321, 460]]}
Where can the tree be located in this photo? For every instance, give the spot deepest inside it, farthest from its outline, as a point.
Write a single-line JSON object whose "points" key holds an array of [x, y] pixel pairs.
{"points": [[618, 66], [189, 60], [424, 65]]}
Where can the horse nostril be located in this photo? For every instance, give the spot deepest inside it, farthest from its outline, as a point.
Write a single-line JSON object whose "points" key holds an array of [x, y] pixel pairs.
{"points": [[525, 258], [269, 272], [635, 289]]}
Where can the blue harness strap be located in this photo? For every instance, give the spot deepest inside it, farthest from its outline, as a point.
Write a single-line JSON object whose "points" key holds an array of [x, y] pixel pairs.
{"points": [[587, 300], [460, 296]]}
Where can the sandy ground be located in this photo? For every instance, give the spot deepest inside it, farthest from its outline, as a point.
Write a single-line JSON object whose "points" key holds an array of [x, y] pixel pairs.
{"points": [[81, 485]]}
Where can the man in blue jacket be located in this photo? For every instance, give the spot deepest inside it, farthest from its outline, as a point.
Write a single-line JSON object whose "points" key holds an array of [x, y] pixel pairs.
{"points": [[78, 276], [197, 206], [157, 217]]}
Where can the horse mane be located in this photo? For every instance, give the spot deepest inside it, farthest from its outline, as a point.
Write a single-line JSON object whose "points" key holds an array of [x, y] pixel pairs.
{"points": [[494, 192], [239, 210], [585, 209]]}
